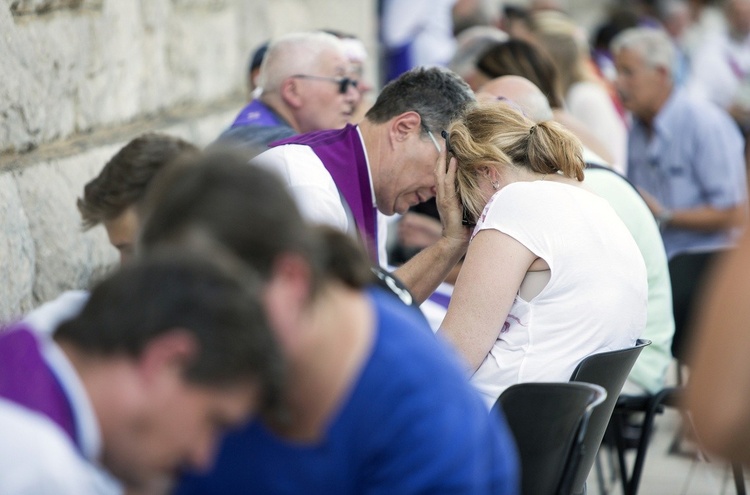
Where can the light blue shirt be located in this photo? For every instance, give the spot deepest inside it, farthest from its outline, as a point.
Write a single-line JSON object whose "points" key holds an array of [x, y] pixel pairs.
{"points": [[693, 158]]}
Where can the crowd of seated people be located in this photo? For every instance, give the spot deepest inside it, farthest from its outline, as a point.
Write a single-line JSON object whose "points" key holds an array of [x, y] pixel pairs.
{"points": [[260, 336]]}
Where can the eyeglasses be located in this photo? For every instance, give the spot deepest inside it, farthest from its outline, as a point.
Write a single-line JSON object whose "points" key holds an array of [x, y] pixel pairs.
{"points": [[432, 137], [343, 82]]}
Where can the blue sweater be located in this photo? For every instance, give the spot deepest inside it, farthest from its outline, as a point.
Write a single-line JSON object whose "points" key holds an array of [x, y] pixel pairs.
{"points": [[412, 424]]}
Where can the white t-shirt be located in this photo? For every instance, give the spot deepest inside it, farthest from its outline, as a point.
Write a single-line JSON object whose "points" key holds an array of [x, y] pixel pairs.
{"points": [[36, 457], [314, 190], [595, 299], [720, 72]]}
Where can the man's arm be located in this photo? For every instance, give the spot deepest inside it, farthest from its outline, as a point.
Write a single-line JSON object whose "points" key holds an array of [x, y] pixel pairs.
{"points": [[704, 218], [424, 272], [719, 391]]}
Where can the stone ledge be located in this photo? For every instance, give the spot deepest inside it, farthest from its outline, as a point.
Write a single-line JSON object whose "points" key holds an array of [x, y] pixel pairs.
{"points": [[39, 7], [176, 116]]}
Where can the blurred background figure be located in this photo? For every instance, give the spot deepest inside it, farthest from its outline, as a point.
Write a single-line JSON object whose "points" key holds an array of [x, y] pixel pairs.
{"points": [[471, 44], [253, 71], [414, 34], [587, 96], [306, 85], [357, 55], [532, 62], [721, 67]]}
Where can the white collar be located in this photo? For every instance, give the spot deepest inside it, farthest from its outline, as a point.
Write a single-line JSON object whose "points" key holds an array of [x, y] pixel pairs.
{"points": [[369, 172], [87, 426]]}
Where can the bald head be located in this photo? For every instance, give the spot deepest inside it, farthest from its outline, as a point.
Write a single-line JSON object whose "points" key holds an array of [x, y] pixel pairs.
{"points": [[300, 53], [520, 91]]}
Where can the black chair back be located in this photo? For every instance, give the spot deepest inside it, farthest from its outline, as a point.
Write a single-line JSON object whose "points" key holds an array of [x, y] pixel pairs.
{"points": [[548, 422], [609, 370]]}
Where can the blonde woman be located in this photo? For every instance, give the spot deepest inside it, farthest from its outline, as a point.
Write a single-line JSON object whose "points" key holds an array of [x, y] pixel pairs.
{"points": [[551, 274]]}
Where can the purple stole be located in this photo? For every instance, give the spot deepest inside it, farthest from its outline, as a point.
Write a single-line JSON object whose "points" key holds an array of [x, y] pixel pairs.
{"points": [[343, 156], [258, 114], [27, 380], [441, 299]]}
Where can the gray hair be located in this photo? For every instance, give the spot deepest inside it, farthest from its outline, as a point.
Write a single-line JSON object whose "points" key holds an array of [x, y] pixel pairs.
{"points": [[296, 53], [653, 45], [438, 95]]}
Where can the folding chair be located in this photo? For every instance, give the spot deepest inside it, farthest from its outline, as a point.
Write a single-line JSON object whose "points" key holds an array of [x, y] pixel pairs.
{"points": [[548, 421], [609, 370]]}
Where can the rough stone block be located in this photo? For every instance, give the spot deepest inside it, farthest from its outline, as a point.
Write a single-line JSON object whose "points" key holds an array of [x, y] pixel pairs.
{"points": [[17, 257], [66, 257]]}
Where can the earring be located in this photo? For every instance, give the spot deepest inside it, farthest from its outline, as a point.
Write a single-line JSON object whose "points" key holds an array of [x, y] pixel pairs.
{"points": [[495, 185]]}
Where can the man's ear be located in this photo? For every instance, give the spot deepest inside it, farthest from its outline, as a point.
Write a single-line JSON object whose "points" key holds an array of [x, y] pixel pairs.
{"points": [[174, 349], [289, 92], [287, 295], [404, 125]]}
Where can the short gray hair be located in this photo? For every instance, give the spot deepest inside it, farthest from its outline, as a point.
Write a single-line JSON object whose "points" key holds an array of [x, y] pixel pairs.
{"points": [[438, 95], [652, 44], [295, 53]]}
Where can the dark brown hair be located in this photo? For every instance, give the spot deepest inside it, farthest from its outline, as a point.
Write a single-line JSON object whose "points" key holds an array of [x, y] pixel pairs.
{"points": [[123, 180], [212, 296], [521, 58]]}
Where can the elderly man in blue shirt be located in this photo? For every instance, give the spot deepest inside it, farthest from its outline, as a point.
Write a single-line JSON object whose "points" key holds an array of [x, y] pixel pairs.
{"points": [[684, 154]]}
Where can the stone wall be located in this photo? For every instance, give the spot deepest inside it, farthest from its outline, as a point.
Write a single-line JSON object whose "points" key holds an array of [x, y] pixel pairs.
{"points": [[80, 78]]}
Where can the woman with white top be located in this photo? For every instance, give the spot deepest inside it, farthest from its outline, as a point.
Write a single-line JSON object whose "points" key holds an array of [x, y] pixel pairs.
{"points": [[551, 275]]}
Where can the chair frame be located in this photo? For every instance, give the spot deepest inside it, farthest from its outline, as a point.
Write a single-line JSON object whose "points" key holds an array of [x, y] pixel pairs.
{"points": [[549, 439], [618, 364]]}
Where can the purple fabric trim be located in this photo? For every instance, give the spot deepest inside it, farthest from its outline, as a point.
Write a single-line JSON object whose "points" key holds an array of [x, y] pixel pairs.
{"points": [[27, 380], [258, 114], [441, 299], [343, 156]]}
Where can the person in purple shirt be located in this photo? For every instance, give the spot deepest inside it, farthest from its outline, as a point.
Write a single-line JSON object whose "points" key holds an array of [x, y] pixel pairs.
{"points": [[372, 402], [163, 356], [352, 178], [304, 86]]}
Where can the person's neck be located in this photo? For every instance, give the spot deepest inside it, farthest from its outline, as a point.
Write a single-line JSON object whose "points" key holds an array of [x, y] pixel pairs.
{"points": [[372, 136], [274, 101], [649, 117], [335, 344], [110, 385]]}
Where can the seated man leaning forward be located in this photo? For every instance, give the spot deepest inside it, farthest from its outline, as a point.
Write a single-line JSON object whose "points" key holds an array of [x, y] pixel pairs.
{"points": [[165, 354], [386, 163], [305, 86], [552, 274], [372, 402], [111, 197]]}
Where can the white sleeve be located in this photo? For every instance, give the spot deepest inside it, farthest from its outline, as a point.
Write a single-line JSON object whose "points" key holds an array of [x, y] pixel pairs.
{"points": [[36, 457], [308, 182]]}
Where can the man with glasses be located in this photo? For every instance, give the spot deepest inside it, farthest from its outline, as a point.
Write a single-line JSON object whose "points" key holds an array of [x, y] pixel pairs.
{"points": [[684, 154], [305, 87], [385, 164]]}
